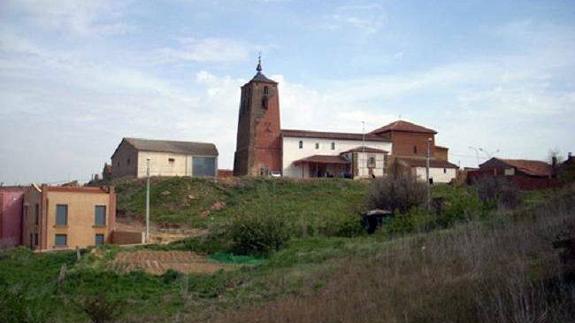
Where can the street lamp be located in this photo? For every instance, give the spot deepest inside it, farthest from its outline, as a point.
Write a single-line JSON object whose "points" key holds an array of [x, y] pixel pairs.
{"points": [[148, 200]]}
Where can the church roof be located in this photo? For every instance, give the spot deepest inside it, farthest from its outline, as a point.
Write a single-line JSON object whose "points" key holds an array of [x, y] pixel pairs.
{"points": [[260, 77], [331, 135], [366, 149], [405, 126], [168, 146]]}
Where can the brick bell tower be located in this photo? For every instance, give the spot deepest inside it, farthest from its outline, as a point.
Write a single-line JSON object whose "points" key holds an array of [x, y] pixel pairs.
{"points": [[258, 144]]}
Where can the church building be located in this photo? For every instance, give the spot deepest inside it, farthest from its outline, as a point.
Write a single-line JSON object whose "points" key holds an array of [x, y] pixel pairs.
{"points": [[263, 148]]}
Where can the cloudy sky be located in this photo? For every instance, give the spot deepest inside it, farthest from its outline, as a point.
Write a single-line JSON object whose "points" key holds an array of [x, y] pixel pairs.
{"points": [[77, 76]]}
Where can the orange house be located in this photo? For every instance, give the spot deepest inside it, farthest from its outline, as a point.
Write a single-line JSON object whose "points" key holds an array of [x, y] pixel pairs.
{"points": [[60, 217]]}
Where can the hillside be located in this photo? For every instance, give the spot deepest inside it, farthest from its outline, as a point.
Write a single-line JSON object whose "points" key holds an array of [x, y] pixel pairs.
{"points": [[467, 264]]}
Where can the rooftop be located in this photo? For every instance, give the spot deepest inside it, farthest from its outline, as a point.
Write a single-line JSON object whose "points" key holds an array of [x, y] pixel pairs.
{"points": [[421, 162], [331, 135], [529, 167], [405, 126], [322, 159], [168, 146]]}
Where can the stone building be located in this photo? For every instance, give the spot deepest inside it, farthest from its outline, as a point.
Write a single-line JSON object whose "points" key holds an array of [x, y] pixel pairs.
{"points": [[167, 158]]}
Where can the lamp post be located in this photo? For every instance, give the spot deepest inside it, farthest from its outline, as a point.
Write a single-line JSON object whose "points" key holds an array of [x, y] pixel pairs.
{"points": [[148, 200], [427, 172]]}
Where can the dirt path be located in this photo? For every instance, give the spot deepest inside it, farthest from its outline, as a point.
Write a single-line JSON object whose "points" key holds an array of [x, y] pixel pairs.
{"points": [[158, 262]]}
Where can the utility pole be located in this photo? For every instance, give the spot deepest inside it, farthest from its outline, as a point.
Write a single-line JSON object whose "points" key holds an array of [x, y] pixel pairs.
{"points": [[427, 172], [148, 200]]}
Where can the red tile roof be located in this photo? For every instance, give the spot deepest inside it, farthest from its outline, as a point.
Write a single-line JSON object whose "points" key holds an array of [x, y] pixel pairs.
{"points": [[405, 126], [529, 167], [421, 162], [365, 149], [331, 135], [322, 159]]}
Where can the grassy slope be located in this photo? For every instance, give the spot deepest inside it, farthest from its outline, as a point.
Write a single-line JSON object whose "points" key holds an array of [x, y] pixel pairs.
{"points": [[311, 268]]}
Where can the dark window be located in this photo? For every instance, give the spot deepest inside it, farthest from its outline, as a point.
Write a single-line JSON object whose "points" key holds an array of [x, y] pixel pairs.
{"points": [[317, 145], [371, 162], [35, 239], [204, 166], [99, 239], [171, 160], [444, 170], [333, 146], [100, 212], [128, 161], [37, 214], [415, 150], [31, 240], [61, 214], [300, 144], [61, 240], [118, 164]]}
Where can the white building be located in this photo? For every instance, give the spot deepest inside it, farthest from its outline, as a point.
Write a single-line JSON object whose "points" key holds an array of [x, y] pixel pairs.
{"points": [[440, 171], [167, 158], [332, 154]]}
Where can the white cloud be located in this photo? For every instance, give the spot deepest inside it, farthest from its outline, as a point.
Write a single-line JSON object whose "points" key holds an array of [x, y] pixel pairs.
{"points": [[204, 50], [368, 18], [85, 17]]}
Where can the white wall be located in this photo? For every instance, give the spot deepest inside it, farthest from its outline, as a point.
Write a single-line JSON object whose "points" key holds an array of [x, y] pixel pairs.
{"points": [[438, 174], [161, 166], [363, 170], [292, 152]]}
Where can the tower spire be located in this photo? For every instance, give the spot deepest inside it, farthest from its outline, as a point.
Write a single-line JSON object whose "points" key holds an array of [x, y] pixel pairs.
{"points": [[259, 67]]}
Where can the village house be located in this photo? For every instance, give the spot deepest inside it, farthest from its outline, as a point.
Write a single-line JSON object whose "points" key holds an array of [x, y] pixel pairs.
{"points": [[60, 217], [525, 174], [11, 203], [263, 148], [166, 158]]}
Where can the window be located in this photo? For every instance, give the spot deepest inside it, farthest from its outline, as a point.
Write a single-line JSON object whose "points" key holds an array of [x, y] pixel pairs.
{"points": [[333, 146], [171, 160], [100, 215], [37, 214], [61, 214], [31, 241], [128, 161], [415, 150], [300, 144], [99, 239], [266, 90], [444, 170], [371, 162], [61, 240], [35, 239], [204, 166], [317, 145]]}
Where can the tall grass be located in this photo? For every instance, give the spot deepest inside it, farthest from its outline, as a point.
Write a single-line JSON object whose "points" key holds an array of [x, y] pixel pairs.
{"points": [[505, 270]]}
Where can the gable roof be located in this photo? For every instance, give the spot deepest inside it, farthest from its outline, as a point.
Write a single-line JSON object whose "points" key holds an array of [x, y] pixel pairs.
{"points": [[331, 135], [422, 162], [529, 167], [168, 146], [405, 126]]}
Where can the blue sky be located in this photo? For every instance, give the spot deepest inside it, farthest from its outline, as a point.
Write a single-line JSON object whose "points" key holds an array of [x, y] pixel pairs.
{"points": [[77, 76]]}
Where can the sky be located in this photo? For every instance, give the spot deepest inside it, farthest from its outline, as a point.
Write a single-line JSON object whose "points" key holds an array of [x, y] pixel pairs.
{"points": [[494, 78]]}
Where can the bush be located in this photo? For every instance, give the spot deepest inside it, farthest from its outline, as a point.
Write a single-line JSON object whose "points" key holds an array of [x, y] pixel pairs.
{"points": [[399, 193], [498, 192], [258, 233]]}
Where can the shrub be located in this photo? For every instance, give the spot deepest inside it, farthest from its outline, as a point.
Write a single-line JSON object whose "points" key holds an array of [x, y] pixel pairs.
{"points": [[258, 233], [399, 193], [498, 192]]}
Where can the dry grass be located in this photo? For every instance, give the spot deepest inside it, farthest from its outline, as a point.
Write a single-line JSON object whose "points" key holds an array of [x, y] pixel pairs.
{"points": [[503, 271]]}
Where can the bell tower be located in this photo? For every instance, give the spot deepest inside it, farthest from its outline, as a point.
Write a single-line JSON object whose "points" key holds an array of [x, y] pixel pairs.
{"points": [[258, 144]]}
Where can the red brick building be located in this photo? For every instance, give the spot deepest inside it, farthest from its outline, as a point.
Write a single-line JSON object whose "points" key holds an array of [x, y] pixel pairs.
{"points": [[525, 174], [11, 203]]}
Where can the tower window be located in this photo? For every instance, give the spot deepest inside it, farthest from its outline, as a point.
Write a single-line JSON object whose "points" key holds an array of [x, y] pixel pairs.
{"points": [[300, 144], [266, 90], [128, 161], [317, 145], [171, 160], [415, 150], [333, 146]]}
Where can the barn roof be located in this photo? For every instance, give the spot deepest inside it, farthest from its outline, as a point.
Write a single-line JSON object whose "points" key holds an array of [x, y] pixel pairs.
{"points": [[421, 162], [331, 135], [405, 126], [168, 146], [529, 167]]}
